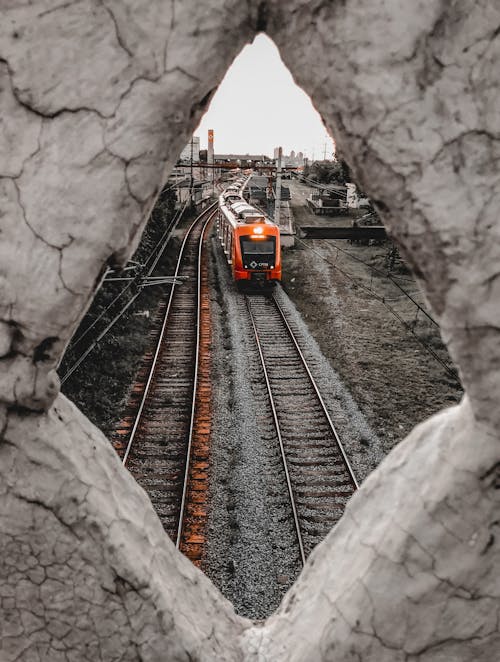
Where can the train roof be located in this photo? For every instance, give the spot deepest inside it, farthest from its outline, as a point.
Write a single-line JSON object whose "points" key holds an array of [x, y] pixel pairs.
{"points": [[232, 203], [242, 206], [241, 213]]}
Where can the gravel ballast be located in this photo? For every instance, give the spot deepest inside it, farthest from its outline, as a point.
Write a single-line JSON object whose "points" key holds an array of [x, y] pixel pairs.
{"points": [[252, 553]]}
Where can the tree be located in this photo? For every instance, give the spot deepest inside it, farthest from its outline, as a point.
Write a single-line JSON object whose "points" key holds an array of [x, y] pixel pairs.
{"points": [[327, 172]]}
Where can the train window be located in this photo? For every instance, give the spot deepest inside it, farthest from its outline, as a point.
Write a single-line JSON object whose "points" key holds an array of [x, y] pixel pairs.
{"points": [[257, 246]]}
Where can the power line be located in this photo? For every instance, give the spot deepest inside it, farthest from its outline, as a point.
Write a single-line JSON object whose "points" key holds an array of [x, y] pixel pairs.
{"points": [[382, 300], [83, 356], [165, 238], [176, 218], [384, 275], [337, 188]]}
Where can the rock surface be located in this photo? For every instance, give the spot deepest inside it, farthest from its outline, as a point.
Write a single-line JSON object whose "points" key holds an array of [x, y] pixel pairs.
{"points": [[96, 100], [87, 571], [411, 571]]}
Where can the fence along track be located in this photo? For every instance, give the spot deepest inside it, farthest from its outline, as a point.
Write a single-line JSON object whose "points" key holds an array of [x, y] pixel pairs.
{"points": [[158, 448], [319, 477]]}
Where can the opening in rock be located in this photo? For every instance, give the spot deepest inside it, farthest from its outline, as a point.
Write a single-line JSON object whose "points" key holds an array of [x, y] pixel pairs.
{"points": [[359, 312]]}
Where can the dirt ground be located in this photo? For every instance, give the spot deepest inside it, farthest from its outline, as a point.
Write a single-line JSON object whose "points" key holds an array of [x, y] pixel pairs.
{"points": [[388, 353]]}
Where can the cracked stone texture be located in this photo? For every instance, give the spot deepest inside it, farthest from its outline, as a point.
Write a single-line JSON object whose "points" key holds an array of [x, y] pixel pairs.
{"points": [[96, 100], [411, 571], [85, 571]]}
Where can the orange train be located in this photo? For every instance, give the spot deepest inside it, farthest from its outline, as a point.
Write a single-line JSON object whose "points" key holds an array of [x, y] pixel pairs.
{"points": [[251, 241]]}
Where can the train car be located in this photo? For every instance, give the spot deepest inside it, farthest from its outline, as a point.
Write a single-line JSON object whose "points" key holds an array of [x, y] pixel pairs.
{"points": [[250, 240]]}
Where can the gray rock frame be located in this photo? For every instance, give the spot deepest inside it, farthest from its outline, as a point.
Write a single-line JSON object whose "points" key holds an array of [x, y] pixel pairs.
{"points": [[97, 98]]}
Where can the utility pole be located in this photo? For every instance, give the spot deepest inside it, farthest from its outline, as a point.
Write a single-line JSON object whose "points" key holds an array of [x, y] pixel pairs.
{"points": [[211, 156], [277, 202], [191, 184], [178, 179]]}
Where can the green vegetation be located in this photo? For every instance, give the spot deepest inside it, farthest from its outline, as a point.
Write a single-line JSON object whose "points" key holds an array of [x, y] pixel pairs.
{"points": [[327, 172]]}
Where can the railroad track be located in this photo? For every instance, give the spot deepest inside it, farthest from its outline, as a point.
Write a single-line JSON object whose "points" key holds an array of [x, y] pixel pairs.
{"points": [[318, 474], [167, 422]]}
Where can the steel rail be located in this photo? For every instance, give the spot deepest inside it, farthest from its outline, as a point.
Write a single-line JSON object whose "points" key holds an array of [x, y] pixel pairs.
{"points": [[195, 386], [318, 394], [280, 439], [160, 246], [162, 333]]}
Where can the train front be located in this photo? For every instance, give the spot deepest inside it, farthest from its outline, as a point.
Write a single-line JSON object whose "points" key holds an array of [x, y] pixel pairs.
{"points": [[259, 262]]}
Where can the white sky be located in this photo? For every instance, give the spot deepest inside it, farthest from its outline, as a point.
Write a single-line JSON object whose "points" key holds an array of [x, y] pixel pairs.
{"points": [[258, 107]]}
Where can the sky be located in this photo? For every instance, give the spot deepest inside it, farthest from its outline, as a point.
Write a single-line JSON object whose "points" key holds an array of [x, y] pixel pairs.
{"points": [[258, 107]]}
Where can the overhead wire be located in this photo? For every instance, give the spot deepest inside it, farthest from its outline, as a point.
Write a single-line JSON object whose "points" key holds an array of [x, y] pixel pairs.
{"points": [[452, 372], [337, 188], [83, 356], [175, 220], [160, 245], [376, 295], [384, 275]]}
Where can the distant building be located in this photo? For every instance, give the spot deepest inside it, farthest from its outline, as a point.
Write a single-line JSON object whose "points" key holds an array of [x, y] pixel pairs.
{"points": [[186, 152], [243, 159], [292, 159], [210, 150]]}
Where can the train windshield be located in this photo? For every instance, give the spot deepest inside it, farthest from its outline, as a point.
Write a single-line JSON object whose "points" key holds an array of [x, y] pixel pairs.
{"points": [[258, 254], [257, 246]]}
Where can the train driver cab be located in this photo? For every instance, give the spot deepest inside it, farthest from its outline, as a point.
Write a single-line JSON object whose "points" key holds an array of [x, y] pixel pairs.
{"points": [[258, 249]]}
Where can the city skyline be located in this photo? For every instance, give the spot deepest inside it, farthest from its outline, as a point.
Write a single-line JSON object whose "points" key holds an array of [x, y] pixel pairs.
{"points": [[258, 106]]}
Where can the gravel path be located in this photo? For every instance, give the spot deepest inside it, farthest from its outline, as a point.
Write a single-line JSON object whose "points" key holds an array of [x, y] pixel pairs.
{"points": [[252, 554]]}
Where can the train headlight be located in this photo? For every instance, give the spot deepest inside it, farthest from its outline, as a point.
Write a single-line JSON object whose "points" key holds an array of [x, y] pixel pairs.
{"points": [[258, 230]]}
